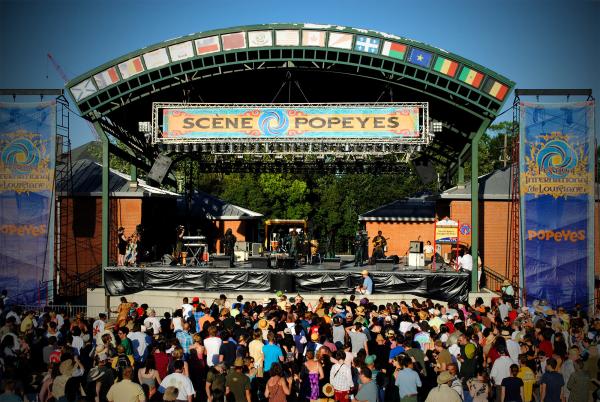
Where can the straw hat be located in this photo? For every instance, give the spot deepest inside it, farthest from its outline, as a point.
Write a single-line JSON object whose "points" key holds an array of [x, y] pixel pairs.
{"points": [[423, 315], [379, 338], [239, 362], [364, 272], [263, 324], [170, 394], [506, 283], [444, 377], [314, 336], [360, 310], [95, 374], [505, 333], [328, 390]]}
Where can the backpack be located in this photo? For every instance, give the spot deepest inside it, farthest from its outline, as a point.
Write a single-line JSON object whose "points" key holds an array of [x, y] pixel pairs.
{"points": [[122, 363]]}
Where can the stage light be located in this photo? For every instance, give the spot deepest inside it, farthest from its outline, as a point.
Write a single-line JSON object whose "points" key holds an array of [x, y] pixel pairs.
{"points": [[178, 148], [436, 126]]}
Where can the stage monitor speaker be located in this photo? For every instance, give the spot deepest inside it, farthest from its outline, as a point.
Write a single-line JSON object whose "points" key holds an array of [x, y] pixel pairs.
{"points": [[285, 263], [220, 261], [160, 168], [416, 247], [386, 265], [425, 170], [332, 263], [283, 282], [256, 248], [416, 260], [168, 259], [259, 262]]}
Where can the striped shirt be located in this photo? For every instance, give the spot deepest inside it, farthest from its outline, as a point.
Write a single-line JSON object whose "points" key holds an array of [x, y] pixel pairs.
{"points": [[341, 377]]}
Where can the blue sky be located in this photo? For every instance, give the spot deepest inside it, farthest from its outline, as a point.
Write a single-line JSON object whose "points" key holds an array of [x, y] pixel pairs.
{"points": [[537, 44]]}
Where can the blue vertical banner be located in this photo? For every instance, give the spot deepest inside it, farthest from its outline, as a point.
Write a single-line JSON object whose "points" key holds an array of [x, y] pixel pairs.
{"points": [[27, 163], [557, 202]]}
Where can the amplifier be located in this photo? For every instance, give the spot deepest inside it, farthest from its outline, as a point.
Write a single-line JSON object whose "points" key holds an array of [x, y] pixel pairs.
{"points": [[416, 260], [332, 263], [416, 247], [259, 262], [220, 261], [384, 265]]}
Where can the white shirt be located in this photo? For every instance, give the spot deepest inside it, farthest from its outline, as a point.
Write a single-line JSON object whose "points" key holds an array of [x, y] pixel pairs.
{"points": [[466, 262], [77, 343], [98, 327], [182, 383], [212, 345], [513, 350], [13, 314], [187, 309], [154, 323], [138, 341], [341, 377], [501, 369]]}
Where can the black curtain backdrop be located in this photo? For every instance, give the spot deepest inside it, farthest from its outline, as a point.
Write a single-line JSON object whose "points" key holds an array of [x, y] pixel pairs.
{"points": [[445, 286]]}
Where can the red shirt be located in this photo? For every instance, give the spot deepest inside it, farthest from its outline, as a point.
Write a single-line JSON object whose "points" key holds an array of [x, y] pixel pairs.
{"points": [[162, 363], [546, 347]]}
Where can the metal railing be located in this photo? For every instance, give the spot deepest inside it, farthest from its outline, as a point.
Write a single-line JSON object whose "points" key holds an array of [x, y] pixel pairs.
{"points": [[87, 311], [494, 280]]}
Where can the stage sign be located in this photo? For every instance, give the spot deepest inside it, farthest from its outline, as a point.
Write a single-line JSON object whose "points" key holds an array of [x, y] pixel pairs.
{"points": [[446, 231], [27, 157], [557, 202], [266, 122]]}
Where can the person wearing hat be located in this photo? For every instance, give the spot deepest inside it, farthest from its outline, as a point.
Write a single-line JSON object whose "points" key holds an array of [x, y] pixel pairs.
{"points": [[171, 394], [126, 390], [237, 383], [443, 392], [180, 381], [367, 286], [100, 379]]}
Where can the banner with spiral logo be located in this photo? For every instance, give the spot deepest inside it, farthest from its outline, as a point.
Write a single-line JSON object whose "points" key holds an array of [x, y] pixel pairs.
{"points": [[27, 161], [557, 202]]}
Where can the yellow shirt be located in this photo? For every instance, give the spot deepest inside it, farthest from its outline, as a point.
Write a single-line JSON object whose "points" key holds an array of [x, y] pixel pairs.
{"points": [[125, 391], [528, 378]]}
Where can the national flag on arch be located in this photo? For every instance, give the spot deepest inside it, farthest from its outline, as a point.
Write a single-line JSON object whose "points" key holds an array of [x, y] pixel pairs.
{"points": [[471, 77], [420, 57], [233, 41], [288, 37], [394, 50], [83, 90], [181, 51], [131, 67], [207, 45], [366, 44], [106, 78], [445, 66], [495, 88], [313, 38], [340, 40]]}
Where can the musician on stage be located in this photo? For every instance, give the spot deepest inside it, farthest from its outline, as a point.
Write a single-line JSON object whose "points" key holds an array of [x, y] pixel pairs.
{"points": [[229, 244], [359, 246], [180, 231], [380, 243], [294, 244]]}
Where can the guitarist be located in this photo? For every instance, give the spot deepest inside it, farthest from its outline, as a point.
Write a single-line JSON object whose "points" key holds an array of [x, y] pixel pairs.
{"points": [[379, 243]]}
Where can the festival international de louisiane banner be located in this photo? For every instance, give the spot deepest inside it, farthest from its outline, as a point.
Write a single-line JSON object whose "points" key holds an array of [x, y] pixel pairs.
{"points": [[27, 158], [334, 122], [557, 202]]}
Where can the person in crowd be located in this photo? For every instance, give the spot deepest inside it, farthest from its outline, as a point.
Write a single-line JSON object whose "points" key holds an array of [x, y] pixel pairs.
{"points": [[126, 390], [367, 286], [443, 392], [180, 381]]}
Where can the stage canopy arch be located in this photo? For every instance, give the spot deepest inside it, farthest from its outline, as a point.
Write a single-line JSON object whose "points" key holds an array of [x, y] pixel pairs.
{"points": [[292, 63]]}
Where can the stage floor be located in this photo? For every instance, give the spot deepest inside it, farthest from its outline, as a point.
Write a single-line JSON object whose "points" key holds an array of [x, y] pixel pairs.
{"points": [[445, 286]]}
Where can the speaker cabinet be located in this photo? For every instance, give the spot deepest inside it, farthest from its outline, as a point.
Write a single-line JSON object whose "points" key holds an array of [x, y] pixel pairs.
{"points": [[220, 261], [332, 263], [416, 260], [386, 265], [160, 168], [259, 262], [416, 247], [285, 263]]}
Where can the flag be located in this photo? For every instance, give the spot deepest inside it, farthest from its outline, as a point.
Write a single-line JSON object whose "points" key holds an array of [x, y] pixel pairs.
{"points": [[366, 44], [445, 66], [495, 88], [131, 67], [260, 38], [106, 78], [393, 49], [471, 77], [340, 40], [83, 90], [156, 58], [207, 45], [287, 38], [420, 57], [181, 51], [234, 41], [313, 38]]}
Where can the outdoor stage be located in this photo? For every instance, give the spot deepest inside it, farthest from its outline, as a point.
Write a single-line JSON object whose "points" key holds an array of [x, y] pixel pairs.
{"points": [[445, 286]]}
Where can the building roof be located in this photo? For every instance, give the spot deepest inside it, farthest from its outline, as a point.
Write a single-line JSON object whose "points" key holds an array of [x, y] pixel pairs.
{"points": [[214, 208], [87, 181], [492, 186], [405, 209]]}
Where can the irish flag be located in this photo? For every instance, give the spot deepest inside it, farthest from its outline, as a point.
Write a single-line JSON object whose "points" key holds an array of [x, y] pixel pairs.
{"points": [[471, 77], [445, 66], [131, 67], [393, 49], [496, 89]]}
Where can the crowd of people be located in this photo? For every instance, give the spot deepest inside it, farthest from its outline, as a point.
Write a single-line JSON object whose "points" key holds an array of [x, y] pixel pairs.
{"points": [[281, 349]]}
